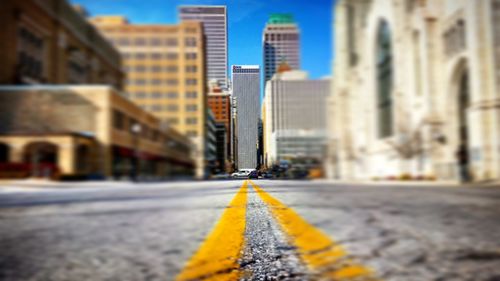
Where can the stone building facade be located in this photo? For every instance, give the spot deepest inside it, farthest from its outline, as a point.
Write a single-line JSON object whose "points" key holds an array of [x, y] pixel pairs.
{"points": [[50, 42], [417, 90]]}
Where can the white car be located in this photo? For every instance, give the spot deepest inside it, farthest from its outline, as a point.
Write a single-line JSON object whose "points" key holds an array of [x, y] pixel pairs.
{"points": [[242, 174]]}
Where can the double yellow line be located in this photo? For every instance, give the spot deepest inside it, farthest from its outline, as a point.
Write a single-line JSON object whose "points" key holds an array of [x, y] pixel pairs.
{"points": [[218, 257]]}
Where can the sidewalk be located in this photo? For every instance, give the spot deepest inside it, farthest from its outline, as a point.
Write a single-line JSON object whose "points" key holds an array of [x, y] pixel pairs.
{"points": [[411, 183], [46, 185]]}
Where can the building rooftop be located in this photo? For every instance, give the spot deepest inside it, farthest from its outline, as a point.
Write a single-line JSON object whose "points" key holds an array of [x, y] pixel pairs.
{"points": [[280, 19]]}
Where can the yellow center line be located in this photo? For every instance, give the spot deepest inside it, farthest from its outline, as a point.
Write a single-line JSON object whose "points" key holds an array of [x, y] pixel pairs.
{"points": [[326, 259], [217, 258]]}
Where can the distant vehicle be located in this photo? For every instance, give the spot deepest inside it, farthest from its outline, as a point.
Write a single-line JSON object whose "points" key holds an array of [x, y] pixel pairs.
{"points": [[221, 176], [253, 175], [267, 175], [242, 174]]}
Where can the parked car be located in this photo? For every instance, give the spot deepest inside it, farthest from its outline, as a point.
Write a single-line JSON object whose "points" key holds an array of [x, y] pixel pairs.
{"points": [[253, 175], [242, 174], [267, 175]]}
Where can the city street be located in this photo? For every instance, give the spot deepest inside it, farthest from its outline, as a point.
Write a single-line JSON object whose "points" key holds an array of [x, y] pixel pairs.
{"points": [[249, 230]]}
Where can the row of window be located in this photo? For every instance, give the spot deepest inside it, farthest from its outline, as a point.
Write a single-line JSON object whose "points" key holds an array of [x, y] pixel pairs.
{"points": [[169, 107], [159, 68], [157, 82], [123, 122], [158, 56], [285, 36], [31, 47], [159, 95], [142, 41]]}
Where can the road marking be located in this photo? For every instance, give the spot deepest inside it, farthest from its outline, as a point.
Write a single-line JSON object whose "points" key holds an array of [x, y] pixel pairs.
{"points": [[217, 258], [326, 259]]}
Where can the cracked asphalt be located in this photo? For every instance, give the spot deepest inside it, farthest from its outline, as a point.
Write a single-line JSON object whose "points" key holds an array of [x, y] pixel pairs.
{"points": [[123, 231]]}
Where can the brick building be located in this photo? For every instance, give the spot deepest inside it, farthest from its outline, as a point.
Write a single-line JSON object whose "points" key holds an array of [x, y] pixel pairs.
{"points": [[219, 102]]}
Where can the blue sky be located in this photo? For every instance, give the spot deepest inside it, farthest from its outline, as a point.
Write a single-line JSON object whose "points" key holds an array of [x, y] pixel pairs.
{"points": [[247, 19]]}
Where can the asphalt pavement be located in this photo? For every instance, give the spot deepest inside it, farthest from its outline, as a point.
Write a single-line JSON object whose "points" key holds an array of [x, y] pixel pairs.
{"points": [[248, 230]]}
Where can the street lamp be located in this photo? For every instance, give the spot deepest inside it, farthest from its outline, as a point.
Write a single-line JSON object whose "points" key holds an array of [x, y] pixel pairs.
{"points": [[136, 130]]}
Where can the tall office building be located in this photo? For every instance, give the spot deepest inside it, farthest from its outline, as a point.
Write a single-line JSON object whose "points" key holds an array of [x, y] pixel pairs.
{"points": [[280, 44], [246, 90], [287, 134], [214, 19], [165, 71]]}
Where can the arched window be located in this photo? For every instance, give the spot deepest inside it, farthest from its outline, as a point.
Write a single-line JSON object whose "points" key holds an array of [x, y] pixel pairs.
{"points": [[384, 81]]}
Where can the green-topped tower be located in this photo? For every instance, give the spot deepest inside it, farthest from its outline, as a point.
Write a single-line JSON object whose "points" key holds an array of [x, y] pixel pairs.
{"points": [[280, 42]]}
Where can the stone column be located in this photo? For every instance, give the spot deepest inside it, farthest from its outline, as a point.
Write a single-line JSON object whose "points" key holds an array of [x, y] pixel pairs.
{"points": [[16, 152], [66, 156]]}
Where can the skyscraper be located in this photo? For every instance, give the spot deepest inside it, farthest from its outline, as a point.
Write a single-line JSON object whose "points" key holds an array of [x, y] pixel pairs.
{"points": [[214, 19], [246, 90], [280, 44]]}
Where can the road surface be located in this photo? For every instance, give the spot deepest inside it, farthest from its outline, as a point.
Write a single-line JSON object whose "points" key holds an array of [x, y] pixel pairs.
{"points": [[249, 230]]}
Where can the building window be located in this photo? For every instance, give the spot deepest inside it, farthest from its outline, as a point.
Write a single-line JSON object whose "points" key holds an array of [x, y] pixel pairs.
{"points": [[191, 68], [190, 56], [156, 108], [191, 134], [140, 95], [155, 68], [191, 95], [351, 25], [140, 42], [140, 56], [191, 121], [140, 82], [118, 120], [454, 38], [156, 95], [172, 121], [190, 42], [172, 82], [172, 107], [155, 42], [171, 42], [172, 56], [31, 55], [156, 56], [191, 81], [123, 41], [172, 69], [384, 81], [191, 107], [140, 68], [172, 95]]}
